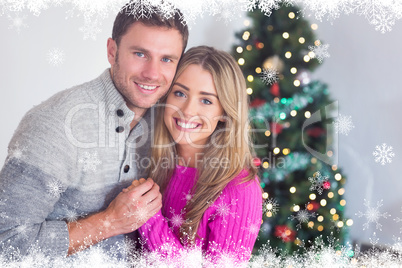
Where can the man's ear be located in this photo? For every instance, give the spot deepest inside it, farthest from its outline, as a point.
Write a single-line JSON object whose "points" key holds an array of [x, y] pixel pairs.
{"points": [[111, 51]]}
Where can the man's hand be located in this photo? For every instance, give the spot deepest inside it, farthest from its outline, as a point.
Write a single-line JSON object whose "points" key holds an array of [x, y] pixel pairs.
{"points": [[135, 205], [127, 212]]}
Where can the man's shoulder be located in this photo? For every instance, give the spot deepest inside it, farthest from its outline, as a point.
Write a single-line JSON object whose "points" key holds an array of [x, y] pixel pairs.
{"points": [[64, 101]]}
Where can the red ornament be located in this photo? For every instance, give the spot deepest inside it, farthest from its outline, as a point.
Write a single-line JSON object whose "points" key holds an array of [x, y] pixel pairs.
{"points": [[256, 161], [326, 185], [275, 128], [275, 90], [315, 132], [257, 103], [285, 233]]}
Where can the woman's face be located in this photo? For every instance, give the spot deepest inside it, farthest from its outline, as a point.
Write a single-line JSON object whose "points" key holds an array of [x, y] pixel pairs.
{"points": [[192, 108]]}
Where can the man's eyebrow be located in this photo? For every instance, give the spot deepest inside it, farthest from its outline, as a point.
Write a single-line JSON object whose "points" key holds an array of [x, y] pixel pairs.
{"points": [[146, 51], [202, 92]]}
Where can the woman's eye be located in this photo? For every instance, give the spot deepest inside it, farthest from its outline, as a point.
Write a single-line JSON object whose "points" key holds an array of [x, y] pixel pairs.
{"points": [[179, 94], [205, 101]]}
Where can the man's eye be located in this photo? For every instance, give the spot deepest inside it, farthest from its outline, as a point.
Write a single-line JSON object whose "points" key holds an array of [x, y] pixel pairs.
{"points": [[139, 54], [166, 60]]}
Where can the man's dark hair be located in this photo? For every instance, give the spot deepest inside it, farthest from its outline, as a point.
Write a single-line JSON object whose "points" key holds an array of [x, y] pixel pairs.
{"points": [[129, 14]]}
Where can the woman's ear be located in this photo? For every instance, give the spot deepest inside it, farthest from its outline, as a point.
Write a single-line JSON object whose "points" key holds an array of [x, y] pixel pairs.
{"points": [[223, 118]]}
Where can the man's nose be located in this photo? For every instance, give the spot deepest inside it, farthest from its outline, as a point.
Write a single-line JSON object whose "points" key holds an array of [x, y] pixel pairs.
{"points": [[151, 70]]}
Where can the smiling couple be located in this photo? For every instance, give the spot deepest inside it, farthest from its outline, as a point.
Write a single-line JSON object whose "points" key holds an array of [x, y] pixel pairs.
{"points": [[65, 207]]}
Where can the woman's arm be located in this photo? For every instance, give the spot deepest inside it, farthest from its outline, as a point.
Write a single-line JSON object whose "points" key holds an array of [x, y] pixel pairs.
{"points": [[234, 222]]}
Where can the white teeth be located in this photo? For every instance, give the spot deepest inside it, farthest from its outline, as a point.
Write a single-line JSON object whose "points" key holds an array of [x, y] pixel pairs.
{"points": [[146, 87], [188, 125]]}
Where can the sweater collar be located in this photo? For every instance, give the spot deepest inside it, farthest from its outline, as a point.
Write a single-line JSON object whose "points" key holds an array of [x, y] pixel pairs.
{"points": [[113, 99]]}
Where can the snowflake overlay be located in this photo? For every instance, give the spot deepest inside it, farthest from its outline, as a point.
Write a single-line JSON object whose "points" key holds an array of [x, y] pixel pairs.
{"points": [[399, 220], [90, 161], [140, 216], [270, 205], [269, 76], [17, 152], [372, 215], [139, 9], [17, 22], [187, 196], [176, 219], [343, 124], [317, 182], [55, 57], [383, 154], [224, 210], [90, 29], [302, 216], [252, 228], [54, 188], [320, 51]]}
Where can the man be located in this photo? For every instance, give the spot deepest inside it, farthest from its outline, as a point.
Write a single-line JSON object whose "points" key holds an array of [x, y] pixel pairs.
{"points": [[71, 156]]}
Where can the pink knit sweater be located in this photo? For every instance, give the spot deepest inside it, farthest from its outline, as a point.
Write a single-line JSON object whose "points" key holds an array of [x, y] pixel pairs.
{"points": [[228, 228]]}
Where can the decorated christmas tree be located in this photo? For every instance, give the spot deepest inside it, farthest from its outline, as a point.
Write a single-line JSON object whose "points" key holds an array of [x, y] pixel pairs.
{"points": [[294, 122]]}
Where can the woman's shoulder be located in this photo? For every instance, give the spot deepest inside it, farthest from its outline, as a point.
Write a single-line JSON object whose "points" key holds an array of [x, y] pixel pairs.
{"points": [[240, 185]]}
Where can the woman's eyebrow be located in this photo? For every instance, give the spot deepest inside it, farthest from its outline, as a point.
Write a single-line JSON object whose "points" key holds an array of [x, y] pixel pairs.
{"points": [[202, 92]]}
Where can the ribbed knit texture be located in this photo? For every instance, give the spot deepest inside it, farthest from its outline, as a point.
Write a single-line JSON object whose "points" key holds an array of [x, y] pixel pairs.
{"points": [[66, 161], [229, 227]]}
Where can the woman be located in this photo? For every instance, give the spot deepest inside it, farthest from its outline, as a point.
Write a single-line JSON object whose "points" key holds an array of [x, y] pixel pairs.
{"points": [[211, 195]]}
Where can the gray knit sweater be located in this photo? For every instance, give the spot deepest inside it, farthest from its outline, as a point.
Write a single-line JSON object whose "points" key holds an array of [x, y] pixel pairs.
{"points": [[69, 157]]}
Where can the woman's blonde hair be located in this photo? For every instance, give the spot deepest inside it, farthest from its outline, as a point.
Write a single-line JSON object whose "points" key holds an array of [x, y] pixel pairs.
{"points": [[230, 143]]}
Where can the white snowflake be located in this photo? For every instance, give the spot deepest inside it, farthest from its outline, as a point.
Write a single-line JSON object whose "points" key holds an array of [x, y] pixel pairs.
{"points": [[107, 224], [140, 215], [399, 220], [139, 9], [317, 182], [3, 215], [302, 216], [17, 22], [55, 57], [379, 13], [71, 215], [343, 124], [90, 161], [374, 240], [397, 246], [187, 196], [52, 235], [269, 76], [3, 202], [383, 154], [320, 51], [372, 215], [271, 205], [16, 152], [91, 28], [224, 209], [54, 188], [23, 230], [177, 219], [252, 228], [383, 22], [267, 6]]}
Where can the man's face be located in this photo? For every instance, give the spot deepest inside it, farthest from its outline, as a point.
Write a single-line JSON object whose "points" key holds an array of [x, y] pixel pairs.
{"points": [[144, 63]]}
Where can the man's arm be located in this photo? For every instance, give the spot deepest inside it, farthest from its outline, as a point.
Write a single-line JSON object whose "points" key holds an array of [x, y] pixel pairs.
{"points": [[126, 213]]}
